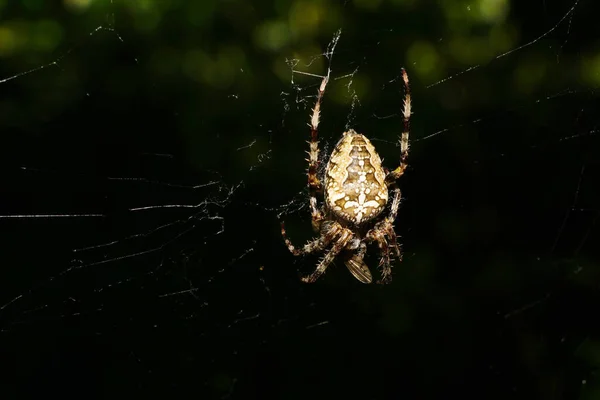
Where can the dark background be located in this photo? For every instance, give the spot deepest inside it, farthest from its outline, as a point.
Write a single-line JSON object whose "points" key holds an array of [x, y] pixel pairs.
{"points": [[109, 106]]}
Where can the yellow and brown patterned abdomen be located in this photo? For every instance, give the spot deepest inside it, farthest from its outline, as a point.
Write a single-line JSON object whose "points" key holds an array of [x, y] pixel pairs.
{"points": [[355, 188]]}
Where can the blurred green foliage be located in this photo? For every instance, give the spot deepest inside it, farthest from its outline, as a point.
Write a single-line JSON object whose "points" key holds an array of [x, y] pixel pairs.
{"points": [[473, 32]]}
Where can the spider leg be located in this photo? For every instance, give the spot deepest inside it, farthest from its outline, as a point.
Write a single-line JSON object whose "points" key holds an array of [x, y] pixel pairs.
{"points": [[338, 246], [357, 266], [388, 222], [395, 204], [328, 234], [314, 184], [376, 235], [386, 228], [389, 232], [398, 172]]}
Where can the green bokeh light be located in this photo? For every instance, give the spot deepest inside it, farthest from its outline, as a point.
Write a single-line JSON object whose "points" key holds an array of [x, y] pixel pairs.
{"points": [[272, 35], [425, 59], [46, 35]]}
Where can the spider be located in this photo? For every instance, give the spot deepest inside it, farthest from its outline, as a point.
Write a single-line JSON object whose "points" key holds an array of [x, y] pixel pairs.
{"points": [[355, 194]]}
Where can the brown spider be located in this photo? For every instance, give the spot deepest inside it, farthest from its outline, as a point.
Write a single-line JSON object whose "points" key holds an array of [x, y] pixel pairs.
{"points": [[356, 192]]}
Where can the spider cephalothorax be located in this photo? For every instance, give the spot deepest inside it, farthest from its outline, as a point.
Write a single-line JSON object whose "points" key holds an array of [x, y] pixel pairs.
{"points": [[356, 193]]}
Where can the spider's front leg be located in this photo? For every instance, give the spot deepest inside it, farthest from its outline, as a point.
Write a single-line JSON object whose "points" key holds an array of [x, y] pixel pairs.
{"points": [[341, 242], [314, 184], [384, 229], [329, 232], [377, 235]]}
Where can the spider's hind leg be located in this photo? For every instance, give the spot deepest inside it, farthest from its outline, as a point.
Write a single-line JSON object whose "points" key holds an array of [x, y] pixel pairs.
{"points": [[406, 112], [388, 224], [314, 184]]}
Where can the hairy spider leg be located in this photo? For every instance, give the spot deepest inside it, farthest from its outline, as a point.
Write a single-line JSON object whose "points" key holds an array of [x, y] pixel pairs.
{"points": [[406, 112], [376, 235], [338, 246], [330, 233], [314, 184], [389, 221], [386, 228]]}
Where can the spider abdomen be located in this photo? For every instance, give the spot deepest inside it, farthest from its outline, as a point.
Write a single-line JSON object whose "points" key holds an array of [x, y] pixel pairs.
{"points": [[355, 188]]}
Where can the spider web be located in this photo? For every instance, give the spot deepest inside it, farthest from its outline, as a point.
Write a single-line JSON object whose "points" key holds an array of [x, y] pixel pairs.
{"points": [[140, 214]]}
